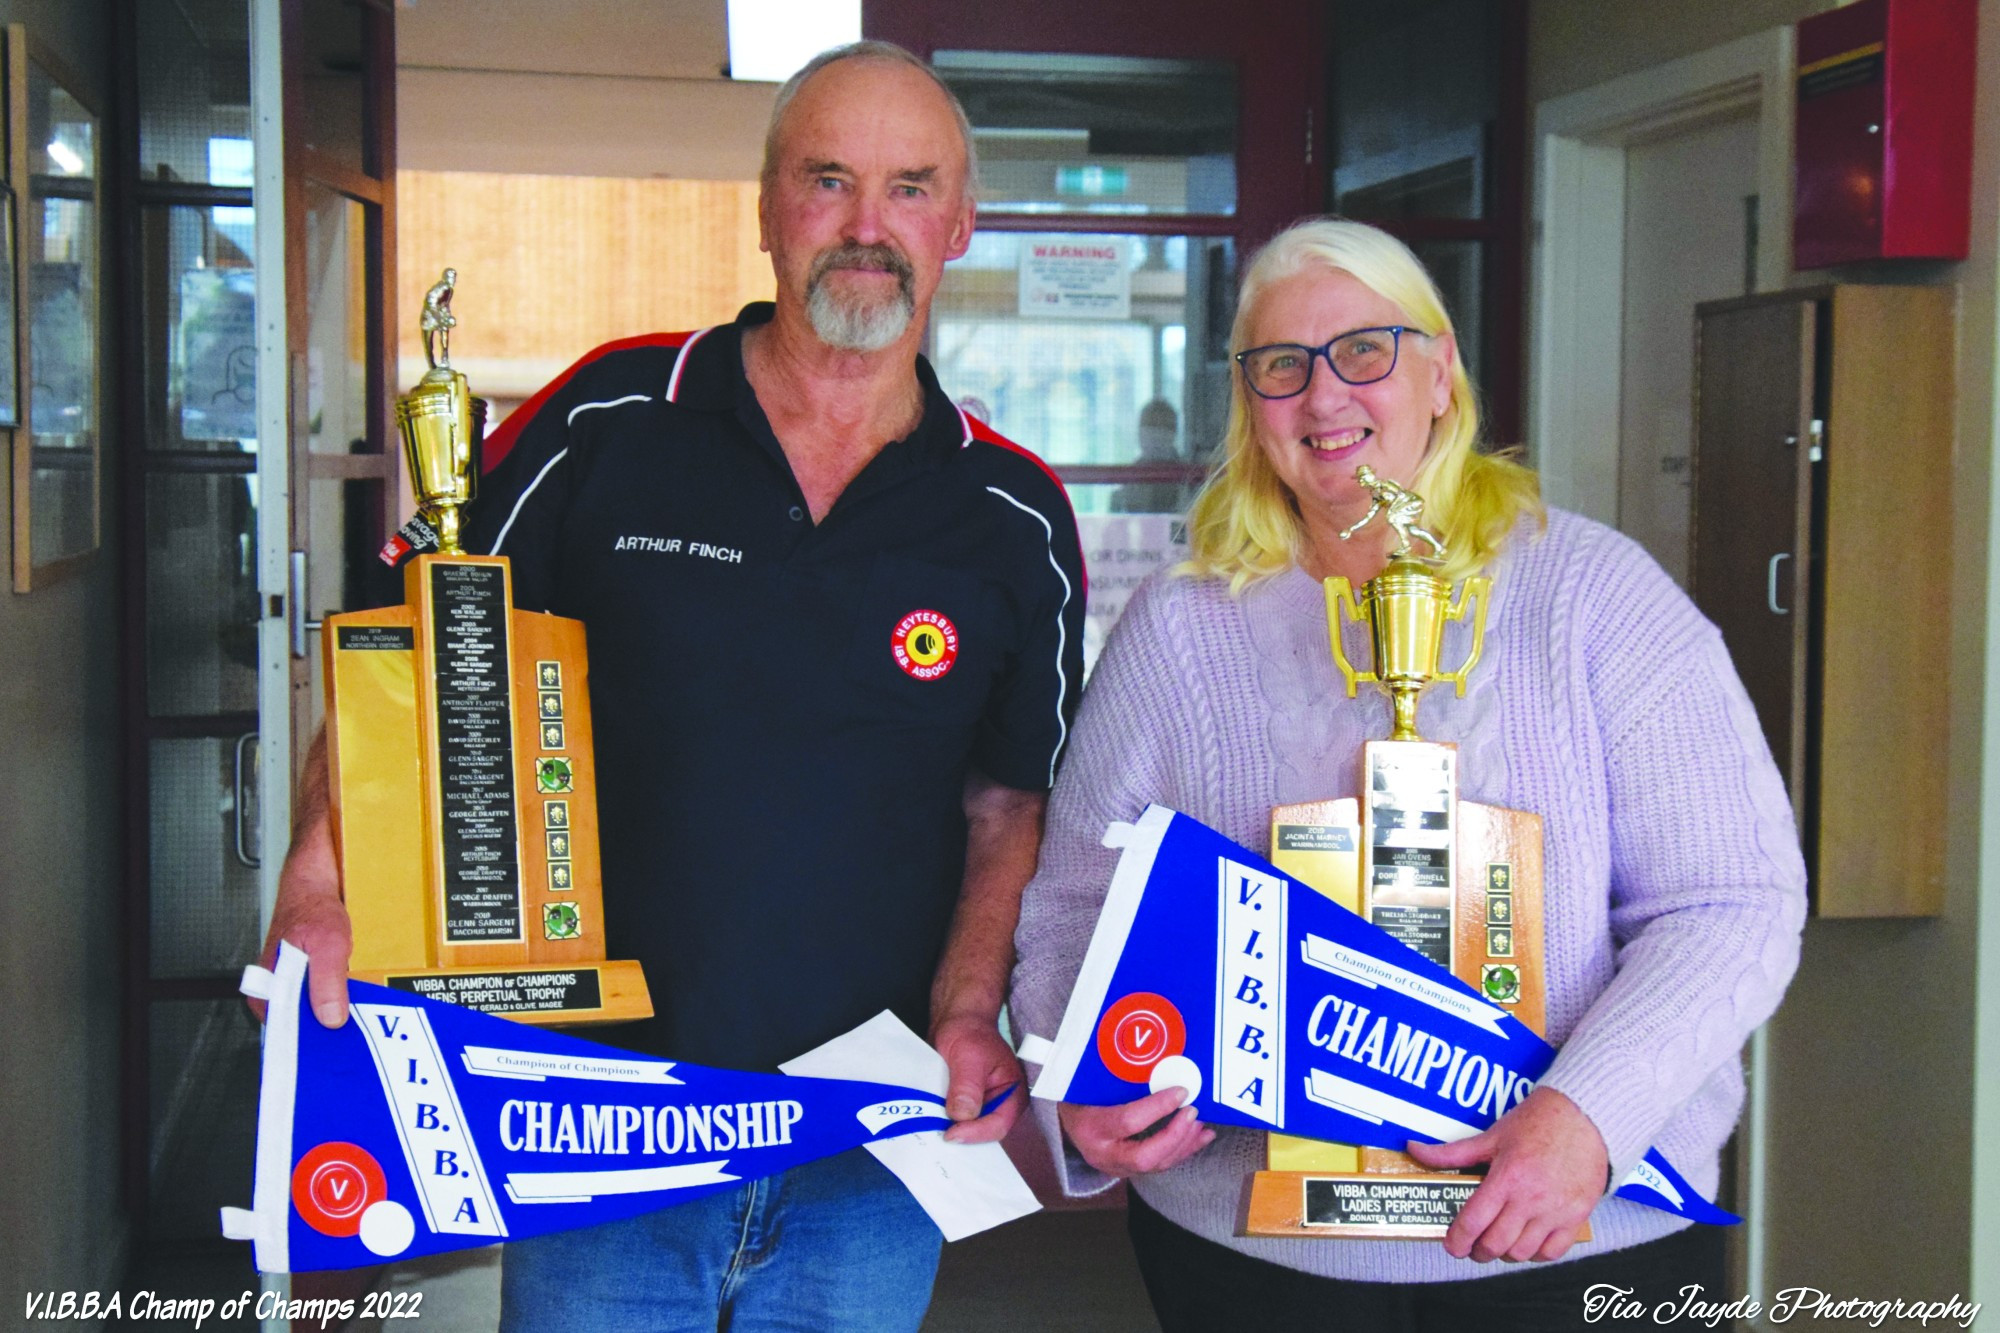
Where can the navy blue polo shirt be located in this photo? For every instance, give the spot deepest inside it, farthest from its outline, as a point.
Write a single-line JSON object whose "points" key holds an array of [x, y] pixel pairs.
{"points": [[785, 712]]}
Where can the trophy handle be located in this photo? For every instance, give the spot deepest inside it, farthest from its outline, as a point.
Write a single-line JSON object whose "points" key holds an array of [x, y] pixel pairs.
{"points": [[1340, 593], [1473, 592]]}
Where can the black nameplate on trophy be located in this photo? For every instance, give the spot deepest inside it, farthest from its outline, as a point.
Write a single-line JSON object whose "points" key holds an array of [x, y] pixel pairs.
{"points": [[475, 737], [1425, 929], [507, 992], [1315, 838], [1421, 867], [377, 638], [1388, 1202]]}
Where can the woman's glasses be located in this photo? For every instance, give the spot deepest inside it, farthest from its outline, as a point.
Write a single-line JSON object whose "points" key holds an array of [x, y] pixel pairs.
{"points": [[1283, 370]]}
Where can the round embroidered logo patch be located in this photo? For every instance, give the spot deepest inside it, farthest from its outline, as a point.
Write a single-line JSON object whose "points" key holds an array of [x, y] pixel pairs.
{"points": [[1137, 1033], [924, 645], [334, 1184]]}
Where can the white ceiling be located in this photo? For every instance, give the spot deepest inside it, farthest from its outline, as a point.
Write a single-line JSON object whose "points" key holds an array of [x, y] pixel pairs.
{"points": [[574, 87]]}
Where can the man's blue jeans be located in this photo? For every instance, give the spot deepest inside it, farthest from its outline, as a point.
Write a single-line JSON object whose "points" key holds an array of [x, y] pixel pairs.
{"points": [[833, 1245]]}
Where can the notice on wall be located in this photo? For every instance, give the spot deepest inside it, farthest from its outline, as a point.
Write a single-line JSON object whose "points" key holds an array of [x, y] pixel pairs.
{"points": [[1075, 277], [1121, 551]]}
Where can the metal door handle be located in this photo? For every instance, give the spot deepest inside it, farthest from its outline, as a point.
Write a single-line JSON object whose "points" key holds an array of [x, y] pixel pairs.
{"points": [[242, 848], [295, 610], [295, 607], [1771, 584]]}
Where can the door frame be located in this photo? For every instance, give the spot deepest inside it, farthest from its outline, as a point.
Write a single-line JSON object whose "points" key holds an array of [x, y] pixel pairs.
{"points": [[1577, 262], [373, 186]]}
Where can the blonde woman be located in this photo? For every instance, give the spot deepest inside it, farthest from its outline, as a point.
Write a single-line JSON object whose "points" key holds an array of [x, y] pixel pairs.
{"points": [[1605, 703]]}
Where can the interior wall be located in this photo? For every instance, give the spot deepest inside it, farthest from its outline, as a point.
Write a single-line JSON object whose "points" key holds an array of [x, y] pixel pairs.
{"points": [[551, 266], [1975, 653], [1871, 1080], [1973, 870], [60, 1218], [1686, 241], [1575, 44], [620, 89], [1871, 1068]]}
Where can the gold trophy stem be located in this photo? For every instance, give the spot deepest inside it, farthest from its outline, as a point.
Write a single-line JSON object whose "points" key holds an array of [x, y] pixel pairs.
{"points": [[447, 529], [1403, 698]]}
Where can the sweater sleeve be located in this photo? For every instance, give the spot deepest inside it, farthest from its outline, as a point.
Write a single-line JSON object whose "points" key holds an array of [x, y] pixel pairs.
{"points": [[1707, 882], [1128, 748]]}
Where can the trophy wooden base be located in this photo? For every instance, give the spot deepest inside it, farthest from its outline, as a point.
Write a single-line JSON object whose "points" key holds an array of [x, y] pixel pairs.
{"points": [[1484, 923], [462, 790], [549, 995]]}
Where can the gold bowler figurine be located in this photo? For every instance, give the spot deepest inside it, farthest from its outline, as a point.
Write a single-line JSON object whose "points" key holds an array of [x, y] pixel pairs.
{"points": [[1457, 881], [460, 762], [441, 423]]}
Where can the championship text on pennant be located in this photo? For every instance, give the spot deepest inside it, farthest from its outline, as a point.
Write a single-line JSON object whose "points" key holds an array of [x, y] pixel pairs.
{"points": [[1298, 1015], [421, 1126]]}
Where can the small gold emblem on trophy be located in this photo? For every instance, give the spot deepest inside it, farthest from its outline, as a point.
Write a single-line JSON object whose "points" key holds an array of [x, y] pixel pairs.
{"points": [[1459, 882], [463, 880]]}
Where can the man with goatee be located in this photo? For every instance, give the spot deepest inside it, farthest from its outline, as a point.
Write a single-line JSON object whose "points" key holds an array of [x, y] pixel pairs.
{"points": [[835, 634]]}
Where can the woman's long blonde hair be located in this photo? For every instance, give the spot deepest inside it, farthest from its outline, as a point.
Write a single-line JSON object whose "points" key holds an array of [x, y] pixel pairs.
{"points": [[1244, 525]]}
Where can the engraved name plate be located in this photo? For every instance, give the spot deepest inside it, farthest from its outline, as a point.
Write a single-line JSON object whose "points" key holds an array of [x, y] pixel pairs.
{"points": [[475, 730], [1409, 882]]}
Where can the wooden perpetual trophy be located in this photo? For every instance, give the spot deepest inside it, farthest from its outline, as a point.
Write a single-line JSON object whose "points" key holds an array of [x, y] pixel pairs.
{"points": [[1459, 882], [459, 753]]}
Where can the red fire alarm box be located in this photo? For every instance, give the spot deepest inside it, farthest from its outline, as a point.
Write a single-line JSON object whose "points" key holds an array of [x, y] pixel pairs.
{"points": [[1884, 139]]}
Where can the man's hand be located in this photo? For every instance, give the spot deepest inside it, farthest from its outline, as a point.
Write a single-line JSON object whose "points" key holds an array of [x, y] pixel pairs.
{"points": [[309, 912], [1104, 1135], [1547, 1171], [980, 1065], [1003, 830]]}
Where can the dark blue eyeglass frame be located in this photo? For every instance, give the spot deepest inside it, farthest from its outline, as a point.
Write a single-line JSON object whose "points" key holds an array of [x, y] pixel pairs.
{"points": [[1324, 352]]}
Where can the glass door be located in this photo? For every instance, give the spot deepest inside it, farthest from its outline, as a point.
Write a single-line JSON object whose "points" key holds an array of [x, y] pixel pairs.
{"points": [[191, 507], [254, 158], [1427, 140], [1125, 173]]}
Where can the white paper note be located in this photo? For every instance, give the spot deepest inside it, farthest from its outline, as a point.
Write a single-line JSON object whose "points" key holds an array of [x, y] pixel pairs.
{"points": [[965, 1187]]}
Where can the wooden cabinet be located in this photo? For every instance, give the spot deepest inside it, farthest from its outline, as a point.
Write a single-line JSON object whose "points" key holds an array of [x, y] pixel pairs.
{"points": [[1821, 545]]}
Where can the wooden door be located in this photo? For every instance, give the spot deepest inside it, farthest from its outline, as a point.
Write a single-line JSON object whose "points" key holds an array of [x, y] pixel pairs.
{"points": [[1750, 554]]}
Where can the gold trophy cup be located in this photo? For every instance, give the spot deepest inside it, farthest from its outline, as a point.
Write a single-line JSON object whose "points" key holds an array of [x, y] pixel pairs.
{"points": [[1458, 881], [462, 784]]}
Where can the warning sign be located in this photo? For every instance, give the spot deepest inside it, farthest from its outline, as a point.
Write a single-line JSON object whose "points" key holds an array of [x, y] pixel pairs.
{"points": [[1075, 277]]}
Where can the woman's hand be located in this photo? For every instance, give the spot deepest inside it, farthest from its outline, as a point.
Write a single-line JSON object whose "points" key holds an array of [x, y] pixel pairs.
{"points": [[1105, 1135], [1547, 1171]]}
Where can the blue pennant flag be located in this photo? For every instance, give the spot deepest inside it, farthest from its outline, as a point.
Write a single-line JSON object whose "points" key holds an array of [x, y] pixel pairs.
{"points": [[1282, 1010], [421, 1126]]}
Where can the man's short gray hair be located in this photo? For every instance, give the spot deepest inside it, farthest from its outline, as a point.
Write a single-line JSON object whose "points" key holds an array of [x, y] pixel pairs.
{"points": [[869, 50]]}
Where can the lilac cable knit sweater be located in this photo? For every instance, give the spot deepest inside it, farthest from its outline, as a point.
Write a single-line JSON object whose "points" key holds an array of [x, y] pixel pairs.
{"points": [[1605, 702]]}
